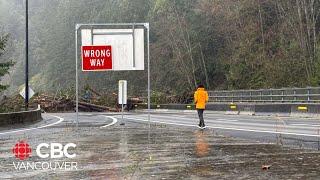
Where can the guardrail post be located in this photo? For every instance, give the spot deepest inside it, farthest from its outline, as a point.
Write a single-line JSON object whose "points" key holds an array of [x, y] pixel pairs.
{"points": [[295, 97], [282, 94], [271, 95], [250, 96], [260, 95], [308, 91], [217, 100]]}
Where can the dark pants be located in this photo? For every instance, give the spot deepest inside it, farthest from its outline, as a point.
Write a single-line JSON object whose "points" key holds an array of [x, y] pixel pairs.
{"points": [[200, 114]]}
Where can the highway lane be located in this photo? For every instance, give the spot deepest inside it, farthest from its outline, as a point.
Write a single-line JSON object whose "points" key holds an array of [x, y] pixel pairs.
{"points": [[175, 149], [308, 127], [288, 131], [292, 130], [304, 127]]}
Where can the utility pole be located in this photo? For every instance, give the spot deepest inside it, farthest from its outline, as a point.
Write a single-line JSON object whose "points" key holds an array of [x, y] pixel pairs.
{"points": [[27, 62]]}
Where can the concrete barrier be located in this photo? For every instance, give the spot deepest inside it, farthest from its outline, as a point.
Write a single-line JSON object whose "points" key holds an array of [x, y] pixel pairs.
{"points": [[280, 109], [23, 117], [305, 110], [246, 109], [273, 109]]}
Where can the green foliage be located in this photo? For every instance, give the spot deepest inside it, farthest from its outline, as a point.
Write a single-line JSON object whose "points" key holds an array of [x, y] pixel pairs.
{"points": [[157, 97], [224, 44], [4, 67]]}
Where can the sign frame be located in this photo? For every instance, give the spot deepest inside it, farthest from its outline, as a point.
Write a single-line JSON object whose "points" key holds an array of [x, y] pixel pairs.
{"points": [[128, 45], [78, 27]]}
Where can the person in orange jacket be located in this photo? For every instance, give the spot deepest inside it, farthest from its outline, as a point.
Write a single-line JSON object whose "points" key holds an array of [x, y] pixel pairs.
{"points": [[201, 98]]}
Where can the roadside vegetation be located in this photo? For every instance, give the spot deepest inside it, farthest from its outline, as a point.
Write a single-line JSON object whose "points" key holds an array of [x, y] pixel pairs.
{"points": [[223, 44], [4, 64]]}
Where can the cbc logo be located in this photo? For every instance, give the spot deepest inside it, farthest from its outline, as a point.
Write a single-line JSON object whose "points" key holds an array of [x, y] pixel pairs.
{"points": [[57, 150], [22, 150]]}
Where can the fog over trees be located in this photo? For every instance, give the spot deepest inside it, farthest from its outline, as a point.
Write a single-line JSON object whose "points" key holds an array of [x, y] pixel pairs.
{"points": [[224, 44]]}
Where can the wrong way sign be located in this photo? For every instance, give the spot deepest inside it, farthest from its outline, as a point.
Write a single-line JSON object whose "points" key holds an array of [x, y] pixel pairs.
{"points": [[96, 58]]}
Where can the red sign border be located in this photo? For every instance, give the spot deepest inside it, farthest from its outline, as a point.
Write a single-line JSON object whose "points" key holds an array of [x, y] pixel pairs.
{"points": [[97, 70]]}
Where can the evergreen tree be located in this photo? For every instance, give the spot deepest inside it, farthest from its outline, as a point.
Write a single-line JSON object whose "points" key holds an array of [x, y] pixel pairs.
{"points": [[4, 67]]}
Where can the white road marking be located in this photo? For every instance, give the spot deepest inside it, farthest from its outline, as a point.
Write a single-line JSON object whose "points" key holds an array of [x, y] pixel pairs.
{"points": [[48, 125], [189, 111], [114, 121], [85, 114], [161, 122], [230, 120], [212, 118], [40, 127], [161, 110], [230, 128], [306, 125], [192, 118], [298, 124]]}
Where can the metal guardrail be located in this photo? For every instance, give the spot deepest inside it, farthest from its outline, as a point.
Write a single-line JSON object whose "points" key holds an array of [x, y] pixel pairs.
{"points": [[284, 95]]}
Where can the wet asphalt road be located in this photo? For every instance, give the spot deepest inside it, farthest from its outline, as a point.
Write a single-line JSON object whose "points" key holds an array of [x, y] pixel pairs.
{"points": [[291, 131], [170, 147], [297, 126]]}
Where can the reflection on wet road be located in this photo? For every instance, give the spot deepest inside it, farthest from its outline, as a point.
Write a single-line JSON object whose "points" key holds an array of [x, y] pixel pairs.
{"points": [[202, 146]]}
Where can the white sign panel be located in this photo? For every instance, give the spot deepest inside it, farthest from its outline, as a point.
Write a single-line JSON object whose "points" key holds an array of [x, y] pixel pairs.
{"points": [[122, 93], [23, 93], [127, 46]]}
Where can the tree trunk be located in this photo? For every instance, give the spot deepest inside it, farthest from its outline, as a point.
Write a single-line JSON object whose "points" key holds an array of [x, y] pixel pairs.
{"points": [[302, 40], [261, 27], [204, 67]]}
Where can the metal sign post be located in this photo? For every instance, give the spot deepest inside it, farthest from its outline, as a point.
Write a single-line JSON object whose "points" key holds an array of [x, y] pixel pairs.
{"points": [[27, 62], [136, 46], [148, 52], [77, 88]]}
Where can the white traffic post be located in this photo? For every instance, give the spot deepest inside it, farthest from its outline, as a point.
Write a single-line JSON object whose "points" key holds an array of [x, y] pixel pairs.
{"points": [[122, 99]]}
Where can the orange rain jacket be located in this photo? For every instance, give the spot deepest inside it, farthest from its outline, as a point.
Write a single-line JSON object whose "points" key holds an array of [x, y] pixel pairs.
{"points": [[201, 98]]}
